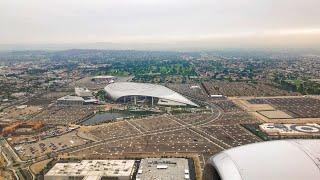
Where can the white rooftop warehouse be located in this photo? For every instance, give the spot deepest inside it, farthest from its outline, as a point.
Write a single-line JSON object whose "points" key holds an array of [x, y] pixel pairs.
{"points": [[92, 169], [129, 90]]}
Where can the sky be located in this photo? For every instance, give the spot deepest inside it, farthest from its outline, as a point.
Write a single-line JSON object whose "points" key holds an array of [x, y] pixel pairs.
{"points": [[161, 24]]}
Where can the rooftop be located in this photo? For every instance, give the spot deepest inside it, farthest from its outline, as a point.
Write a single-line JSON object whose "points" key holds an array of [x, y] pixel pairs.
{"points": [[163, 168], [94, 169], [71, 98], [121, 89]]}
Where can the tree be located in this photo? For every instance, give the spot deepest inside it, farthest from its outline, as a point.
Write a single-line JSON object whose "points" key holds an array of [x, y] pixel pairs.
{"points": [[101, 95]]}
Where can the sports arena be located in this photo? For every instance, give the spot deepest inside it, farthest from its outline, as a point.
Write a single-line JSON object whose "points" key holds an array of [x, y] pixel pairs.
{"points": [[129, 92]]}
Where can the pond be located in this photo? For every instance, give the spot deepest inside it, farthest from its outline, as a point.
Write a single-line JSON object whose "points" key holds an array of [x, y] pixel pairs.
{"points": [[103, 117]]}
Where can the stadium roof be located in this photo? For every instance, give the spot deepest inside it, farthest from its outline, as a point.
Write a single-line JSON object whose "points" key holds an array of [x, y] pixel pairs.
{"points": [[275, 160], [121, 89]]}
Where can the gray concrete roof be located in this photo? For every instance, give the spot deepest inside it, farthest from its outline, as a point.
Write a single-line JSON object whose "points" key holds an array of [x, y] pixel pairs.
{"points": [[71, 98], [163, 169]]}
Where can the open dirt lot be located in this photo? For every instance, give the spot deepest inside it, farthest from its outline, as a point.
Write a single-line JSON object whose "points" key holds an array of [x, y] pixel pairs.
{"points": [[277, 114], [39, 166], [5, 175], [2, 161]]}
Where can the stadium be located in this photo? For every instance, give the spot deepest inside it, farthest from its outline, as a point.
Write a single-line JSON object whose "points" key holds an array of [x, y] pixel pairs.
{"points": [[129, 92]]}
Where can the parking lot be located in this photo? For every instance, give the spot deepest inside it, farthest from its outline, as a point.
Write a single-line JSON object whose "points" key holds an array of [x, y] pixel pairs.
{"points": [[172, 142], [301, 107], [49, 145], [189, 90], [154, 123], [243, 89], [234, 135], [194, 118], [112, 130], [23, 112], [227, 105], [43, 134], [203, 133], [64, 115], [231, 118], [168, 134]]}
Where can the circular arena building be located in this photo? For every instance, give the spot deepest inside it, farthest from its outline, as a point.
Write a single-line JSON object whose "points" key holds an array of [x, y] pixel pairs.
{"points": [[129, 92]]}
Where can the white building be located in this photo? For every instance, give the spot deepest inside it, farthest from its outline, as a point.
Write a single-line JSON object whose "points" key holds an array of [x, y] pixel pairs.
{"points": [[93, 170], [143, 92]]}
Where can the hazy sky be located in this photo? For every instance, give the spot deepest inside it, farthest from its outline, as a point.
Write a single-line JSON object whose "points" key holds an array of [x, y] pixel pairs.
{"points": [[168, 23]]}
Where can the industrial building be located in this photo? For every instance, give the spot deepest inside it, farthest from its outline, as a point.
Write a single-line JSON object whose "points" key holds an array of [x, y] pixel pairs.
{"points": [[163, 169], [129, 92], [86, 94], [75, 101], [272, 160], [83, 96], [93, 170], [70, 101]]}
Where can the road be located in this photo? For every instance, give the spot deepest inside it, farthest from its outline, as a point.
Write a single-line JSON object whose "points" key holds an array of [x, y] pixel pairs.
{"points": [[15, 164], [216, 113]]}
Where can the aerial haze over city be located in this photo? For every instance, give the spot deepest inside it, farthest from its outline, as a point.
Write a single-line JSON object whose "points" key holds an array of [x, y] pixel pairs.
{"points": [[159, 24], [166, 90]]}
